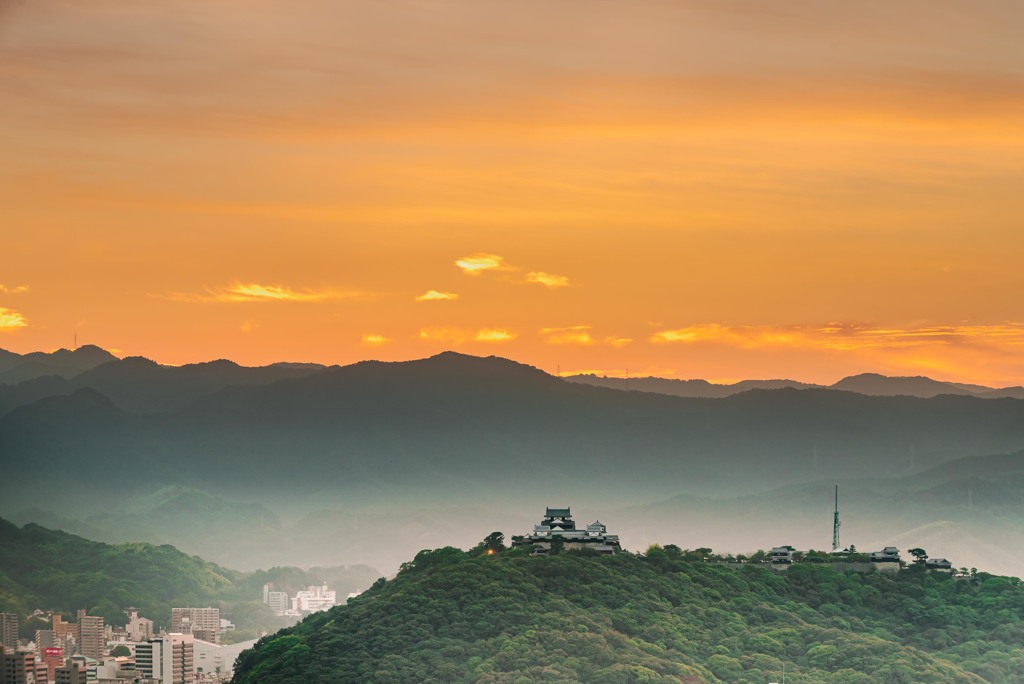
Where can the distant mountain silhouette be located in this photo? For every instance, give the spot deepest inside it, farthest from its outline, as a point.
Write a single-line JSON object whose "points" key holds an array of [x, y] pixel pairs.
{"points": [[1004, 393], [871, 384], [455, 420], [63, 362], [874, 384], [685, 388], [139, 385]]}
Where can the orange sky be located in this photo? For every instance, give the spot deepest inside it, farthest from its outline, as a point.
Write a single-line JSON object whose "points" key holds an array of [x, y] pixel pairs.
{"points": [[707, 188]]}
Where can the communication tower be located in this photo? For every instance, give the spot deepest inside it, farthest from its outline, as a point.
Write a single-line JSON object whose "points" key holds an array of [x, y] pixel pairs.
{"points": [[835, 523]]}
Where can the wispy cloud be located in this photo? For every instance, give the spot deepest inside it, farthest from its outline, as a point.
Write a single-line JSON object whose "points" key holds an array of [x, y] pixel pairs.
{"points": [[494, 335], [453, 335], [462, 335], [580, 335], [547, 279], [742, 336], [844, 336], [855, 336], [475, 264], [255, 292], [11, 319], [617, 342], [17, 289], [372, 340], [574, 334], [478, 263], [436, 296]]}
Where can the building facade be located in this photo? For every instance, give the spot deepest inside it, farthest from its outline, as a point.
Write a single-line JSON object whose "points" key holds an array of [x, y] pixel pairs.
{"points": [[18, 667], [90, 636], [168, 659], [314, 599], [9, 630], [202, 623], [71, 673]]}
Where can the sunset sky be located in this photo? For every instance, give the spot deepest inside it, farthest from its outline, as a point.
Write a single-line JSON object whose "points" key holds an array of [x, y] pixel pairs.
{"points": [[721, 189]]}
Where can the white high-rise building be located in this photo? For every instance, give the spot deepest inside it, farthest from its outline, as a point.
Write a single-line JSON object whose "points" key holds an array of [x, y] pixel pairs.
{"points": [[314, 599], [277, 600], [168, 659]]}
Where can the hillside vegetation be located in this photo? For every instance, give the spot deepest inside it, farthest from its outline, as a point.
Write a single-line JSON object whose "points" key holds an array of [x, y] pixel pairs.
{"points": [[452, 616], [51, 570]]}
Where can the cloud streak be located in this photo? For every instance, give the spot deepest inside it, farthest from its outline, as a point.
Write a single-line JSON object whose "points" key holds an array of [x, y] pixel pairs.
{"points": [[373, 340], [481, 262], [255, 292], [844, 336], [478, 263], [574, 334], [463, 335], [436, 296], [580, 335], [547, 279], [11, 319], [18, 289]]}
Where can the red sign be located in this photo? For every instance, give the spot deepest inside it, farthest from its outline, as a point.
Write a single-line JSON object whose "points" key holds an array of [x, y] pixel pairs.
{"points": [[59, 652]]}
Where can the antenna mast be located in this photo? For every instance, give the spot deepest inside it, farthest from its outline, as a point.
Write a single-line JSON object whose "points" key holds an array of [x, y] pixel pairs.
{"points": [[835, 524]]}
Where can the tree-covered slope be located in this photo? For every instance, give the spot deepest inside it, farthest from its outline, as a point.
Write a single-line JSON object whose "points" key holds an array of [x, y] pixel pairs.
{"points": [[450, 616], [52, 570]]}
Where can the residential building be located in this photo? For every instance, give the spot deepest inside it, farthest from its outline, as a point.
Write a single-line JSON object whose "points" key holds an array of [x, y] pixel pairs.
{"points": [[51, 655], [63, 632], [88, 664], [116, 671], [73, 672], [9, 630], [314, 599], [168, 659], [18, 667], [202, 623], [278, 602], [90, 635]]}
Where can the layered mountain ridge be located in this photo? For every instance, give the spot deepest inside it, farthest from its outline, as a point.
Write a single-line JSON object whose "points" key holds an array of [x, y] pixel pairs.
{"points": [[305, 465]]}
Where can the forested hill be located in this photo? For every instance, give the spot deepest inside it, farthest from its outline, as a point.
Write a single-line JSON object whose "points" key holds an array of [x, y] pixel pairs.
{"points": [[53, 570], [451, 616]]}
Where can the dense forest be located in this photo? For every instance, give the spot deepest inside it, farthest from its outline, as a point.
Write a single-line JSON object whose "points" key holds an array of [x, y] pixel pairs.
{"points": [[493, 615], [52, 570]]}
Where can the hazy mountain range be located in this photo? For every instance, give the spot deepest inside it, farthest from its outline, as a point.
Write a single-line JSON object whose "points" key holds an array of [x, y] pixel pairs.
{"points": [[871, 384], [301, 464]]}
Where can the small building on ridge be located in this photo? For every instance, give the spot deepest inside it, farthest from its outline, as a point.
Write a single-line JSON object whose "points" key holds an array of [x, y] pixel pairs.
{"points": [[558, 524]]}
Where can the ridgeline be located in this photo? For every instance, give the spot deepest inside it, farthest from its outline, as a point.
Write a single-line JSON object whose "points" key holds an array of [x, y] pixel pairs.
{"points": [[454, 616]]}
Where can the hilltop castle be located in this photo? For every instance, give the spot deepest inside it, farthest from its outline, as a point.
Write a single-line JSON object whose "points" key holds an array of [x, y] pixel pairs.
{"points": [[558, 524]]}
